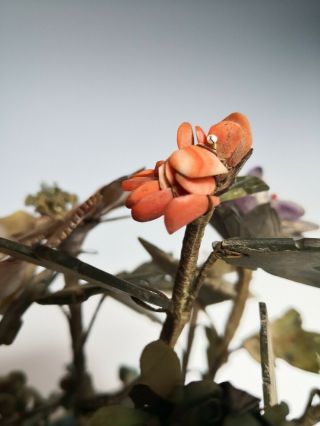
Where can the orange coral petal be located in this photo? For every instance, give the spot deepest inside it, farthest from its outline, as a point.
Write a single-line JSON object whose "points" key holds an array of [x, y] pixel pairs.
{"points": [[183, 210], [169, 173], [196, 162], [133, 183], [239, 118], [234, 137], [229, 136], [156, 167], [144, 173], [246, 144], [201, 136], [143, 190], [238, 153], [215, 201], [184, 135], [152, 205], [203, 186], [162, 178]]}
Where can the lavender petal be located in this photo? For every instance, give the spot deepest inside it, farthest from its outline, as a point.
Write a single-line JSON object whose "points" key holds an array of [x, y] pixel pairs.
{"points": [[288, 209]]}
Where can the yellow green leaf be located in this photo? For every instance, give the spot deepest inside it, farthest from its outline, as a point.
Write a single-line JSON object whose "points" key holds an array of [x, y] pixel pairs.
{"points": [[160, 368], [291, 342]]}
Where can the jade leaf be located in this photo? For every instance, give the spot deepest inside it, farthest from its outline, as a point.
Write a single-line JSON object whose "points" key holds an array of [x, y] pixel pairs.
{"points": [[160, 368], [243, 186], [300, 348], [117, 415], [296, 260]]}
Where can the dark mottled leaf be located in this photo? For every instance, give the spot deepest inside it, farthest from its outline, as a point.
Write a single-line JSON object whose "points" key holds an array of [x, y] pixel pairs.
{"points": [[160, 368], [311, 415], [11, 321], [262, 221], [117, 415], [244, 420], [296, 260], [213, 342], [127, 374], [244, 185], [215, 289], [198, 391], [238, 401], [164, 260], [276, 415], [146, 400], [62, 262], [65, 421]]}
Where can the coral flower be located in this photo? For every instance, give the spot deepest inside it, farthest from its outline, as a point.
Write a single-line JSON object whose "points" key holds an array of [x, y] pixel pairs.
{"points": [[182, 187]]}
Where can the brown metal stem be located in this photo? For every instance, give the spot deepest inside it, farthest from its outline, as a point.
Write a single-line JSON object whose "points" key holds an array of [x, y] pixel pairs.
{"points": [[182, 296]]}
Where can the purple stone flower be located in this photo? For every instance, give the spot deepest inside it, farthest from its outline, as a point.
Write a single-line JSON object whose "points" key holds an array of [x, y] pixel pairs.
{"points": [[265, 215]]}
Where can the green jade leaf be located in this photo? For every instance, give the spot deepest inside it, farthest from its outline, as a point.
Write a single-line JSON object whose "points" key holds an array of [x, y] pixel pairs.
{"points": [[117, 415], [243, 186], [160, 369], [300, 348]]}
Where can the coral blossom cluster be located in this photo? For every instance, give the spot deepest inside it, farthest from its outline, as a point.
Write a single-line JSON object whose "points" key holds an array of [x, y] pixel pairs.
{"points": [[182, 187]]}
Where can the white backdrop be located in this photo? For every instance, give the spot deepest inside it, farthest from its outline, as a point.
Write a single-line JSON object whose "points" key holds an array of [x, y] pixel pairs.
{"points": [[92, 90]]}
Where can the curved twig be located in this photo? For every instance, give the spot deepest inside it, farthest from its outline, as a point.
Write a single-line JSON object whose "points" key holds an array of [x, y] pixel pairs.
{"points": [[233, 320]]}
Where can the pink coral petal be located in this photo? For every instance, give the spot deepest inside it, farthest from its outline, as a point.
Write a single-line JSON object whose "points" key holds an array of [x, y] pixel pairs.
{"points": [[183, 210], [144, 173], [203, 186], [143, 190], [133, 183], [184, 135], [196, 162], [152, 205], [201, 136], [164, 184]]}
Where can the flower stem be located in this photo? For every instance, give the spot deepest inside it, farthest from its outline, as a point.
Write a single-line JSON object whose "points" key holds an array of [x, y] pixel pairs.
{"points": [[183, 296], [78, 372], [244, 279]]}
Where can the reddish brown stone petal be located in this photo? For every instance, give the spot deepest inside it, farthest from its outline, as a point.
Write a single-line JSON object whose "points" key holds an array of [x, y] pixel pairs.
{"points": [[152, 205], [196, 162], [203, 186], [183, 210], [201, 136], [184, 135], [134, 182], [144, 173], [143, 190]]}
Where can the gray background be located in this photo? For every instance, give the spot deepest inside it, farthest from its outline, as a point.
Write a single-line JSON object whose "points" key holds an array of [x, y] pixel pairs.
{"points": [[91, 90]]}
